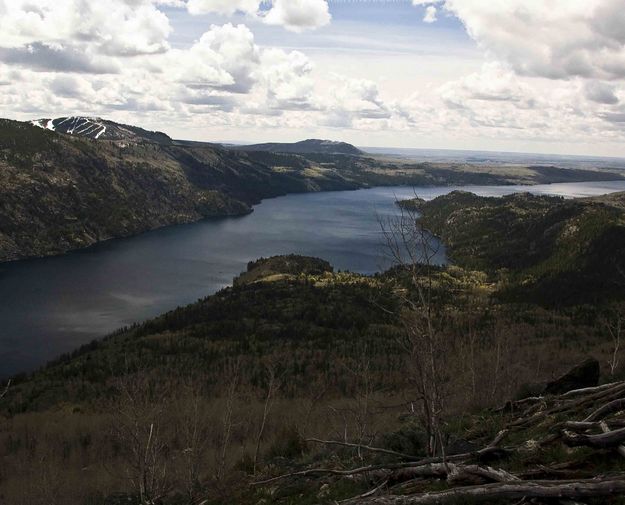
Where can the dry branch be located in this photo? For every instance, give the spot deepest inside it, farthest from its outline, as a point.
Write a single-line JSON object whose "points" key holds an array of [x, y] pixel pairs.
{"points": [[604, 410], [6, 390], [601, 441], [589, 488], [586, 391], [365, 448], [606, 429], [468, 477], [328, 471], [462, 473], [592, 425], [533, 416]]}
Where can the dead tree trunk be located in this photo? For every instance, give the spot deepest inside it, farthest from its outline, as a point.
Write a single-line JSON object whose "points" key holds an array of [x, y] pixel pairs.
{"points": [[573, 490]]}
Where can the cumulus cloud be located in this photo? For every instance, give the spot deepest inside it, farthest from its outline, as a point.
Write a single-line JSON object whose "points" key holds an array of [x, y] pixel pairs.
{"points": [[493, 83], [225, 7], [70, 86], [430, 14], [114, 28], [224, 57], [298, 15], [550, 72], [287, 77], [45, 56], [558, 39], [294, 15], [601, 92]]}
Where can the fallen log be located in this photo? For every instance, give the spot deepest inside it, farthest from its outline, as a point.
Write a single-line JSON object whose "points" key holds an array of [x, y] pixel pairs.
{"points": [[592, 425], [367, 448], [462, 473], [491, 451], [572, 490], [402, 472], [586, 391], [604, 410], [609, 394], [330, 471], [606, 429], [601, 441]]}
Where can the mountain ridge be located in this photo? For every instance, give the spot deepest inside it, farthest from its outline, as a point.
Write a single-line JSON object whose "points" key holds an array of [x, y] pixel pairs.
{"points": [[308, 146], [63, 189], [97, 128]]}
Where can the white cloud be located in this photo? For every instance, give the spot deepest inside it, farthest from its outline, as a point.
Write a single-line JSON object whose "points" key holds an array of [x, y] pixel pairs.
{"points": [[298, 15], [114, 28], [600, 92], [294, 15], [57, 57], [551, 73], [494, 83], [287, 77], [225, 7], [224, 57], [559, 39], [430, 14]]}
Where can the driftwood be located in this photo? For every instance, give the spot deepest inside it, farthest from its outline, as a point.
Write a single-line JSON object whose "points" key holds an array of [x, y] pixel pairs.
{"points": [[535, 415], [604, 440], [587, 391], [604, 410], [469, 477], [589, 488], [606, 429], [592, 425]]}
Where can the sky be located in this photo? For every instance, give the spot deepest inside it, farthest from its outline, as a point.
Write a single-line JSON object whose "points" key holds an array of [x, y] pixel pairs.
{"points": [[544, 76]]}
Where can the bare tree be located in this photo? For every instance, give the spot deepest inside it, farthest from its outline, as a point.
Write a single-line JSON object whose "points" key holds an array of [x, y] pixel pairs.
{"points": [[6, 390], [137, 427], [195, 438], [273, 384], [614, 326], [227, 422], [413, 249], [363, 390]]}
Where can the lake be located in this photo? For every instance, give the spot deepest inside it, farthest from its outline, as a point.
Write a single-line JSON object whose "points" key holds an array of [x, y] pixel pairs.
{"points": [[53, 305]]}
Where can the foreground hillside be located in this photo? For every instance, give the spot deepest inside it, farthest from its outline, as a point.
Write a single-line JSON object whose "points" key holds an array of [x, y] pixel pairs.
{"points": [[202, 403], [68, 183]]}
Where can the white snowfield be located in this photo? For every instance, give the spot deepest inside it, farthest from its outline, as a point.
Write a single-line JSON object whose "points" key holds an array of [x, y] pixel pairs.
{"points": [[74, 125]]}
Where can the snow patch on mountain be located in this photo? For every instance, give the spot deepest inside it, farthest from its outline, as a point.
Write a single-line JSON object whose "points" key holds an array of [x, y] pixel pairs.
{"points": [[100, 129]]}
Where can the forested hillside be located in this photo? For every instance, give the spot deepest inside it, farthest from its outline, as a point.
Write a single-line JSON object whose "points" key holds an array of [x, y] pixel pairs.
{"points": [[210, 400], [79, 181], [554, 250]]}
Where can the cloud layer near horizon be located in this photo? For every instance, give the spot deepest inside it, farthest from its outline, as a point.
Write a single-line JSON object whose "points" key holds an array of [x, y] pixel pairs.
{"points": [[552, 72]]}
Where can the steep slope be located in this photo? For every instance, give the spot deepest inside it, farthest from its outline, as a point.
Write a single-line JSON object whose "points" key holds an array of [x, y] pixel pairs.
{"points": [[557, 250], [62, 192], [70, 182], [299, 350], [310, 146]]}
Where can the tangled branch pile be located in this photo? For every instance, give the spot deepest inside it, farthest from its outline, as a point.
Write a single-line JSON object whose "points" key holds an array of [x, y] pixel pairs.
{"points": [[586, 427]]}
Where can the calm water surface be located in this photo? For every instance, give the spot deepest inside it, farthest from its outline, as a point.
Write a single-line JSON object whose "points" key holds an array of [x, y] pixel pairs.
{"points": [[53, 305]]}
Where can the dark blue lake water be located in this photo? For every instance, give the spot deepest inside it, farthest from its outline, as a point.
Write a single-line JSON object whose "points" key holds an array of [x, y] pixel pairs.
{"points": [[53, 305]]}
